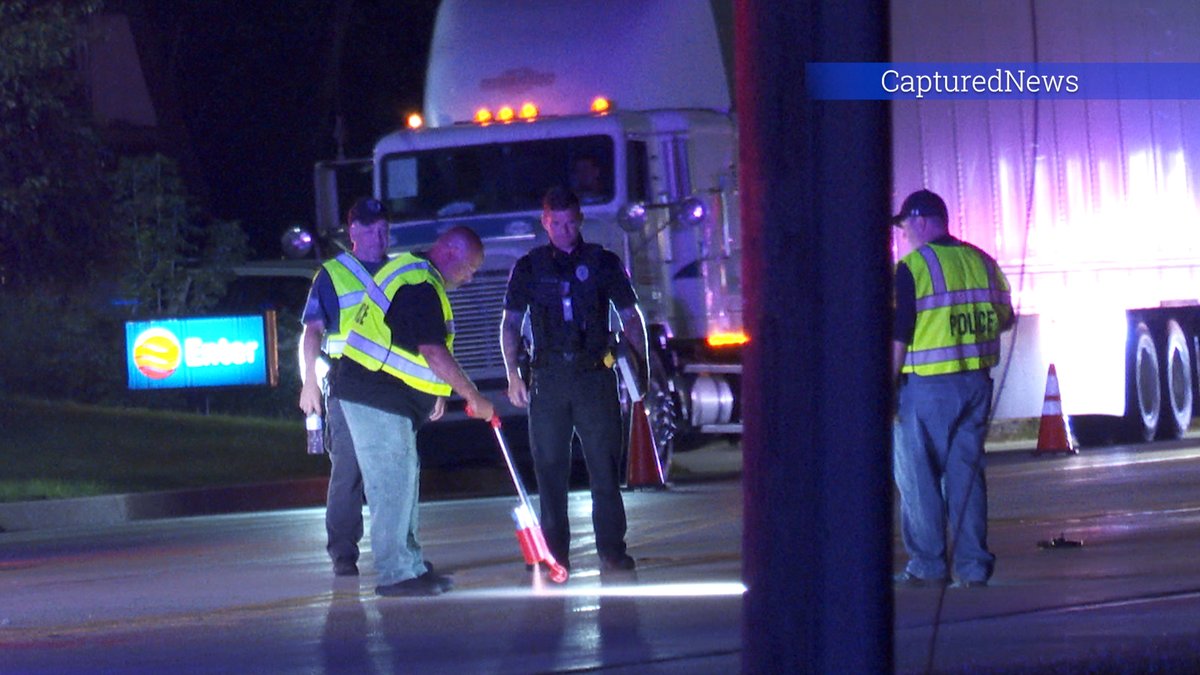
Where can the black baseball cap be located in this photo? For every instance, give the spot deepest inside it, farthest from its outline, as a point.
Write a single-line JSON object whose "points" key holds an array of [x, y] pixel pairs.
{"points": [[921, 203], [366, 211]]}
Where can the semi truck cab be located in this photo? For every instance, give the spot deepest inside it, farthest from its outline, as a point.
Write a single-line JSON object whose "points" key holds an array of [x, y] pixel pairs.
{"points": [[635, 118]]}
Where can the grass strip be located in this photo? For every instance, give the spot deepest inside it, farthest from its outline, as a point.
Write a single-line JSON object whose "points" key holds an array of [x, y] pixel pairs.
{"points": [[51, 450]]}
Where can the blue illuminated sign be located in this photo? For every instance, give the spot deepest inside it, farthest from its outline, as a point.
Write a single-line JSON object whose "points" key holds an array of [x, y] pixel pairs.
{"points": [[201, 352]]}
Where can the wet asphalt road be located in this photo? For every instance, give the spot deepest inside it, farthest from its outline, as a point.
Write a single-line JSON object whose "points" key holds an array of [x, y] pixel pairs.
{"points": [[253, 592]]}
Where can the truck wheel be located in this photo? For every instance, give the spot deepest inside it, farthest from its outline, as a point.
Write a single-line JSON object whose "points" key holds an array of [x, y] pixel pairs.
{"points": [[1143, 394], [1176, 414], [664, 418]]}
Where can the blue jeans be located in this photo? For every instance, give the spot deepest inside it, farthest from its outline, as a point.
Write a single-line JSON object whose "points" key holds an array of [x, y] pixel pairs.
{"points": [[939, 469], [386, 448], [344, 499]]}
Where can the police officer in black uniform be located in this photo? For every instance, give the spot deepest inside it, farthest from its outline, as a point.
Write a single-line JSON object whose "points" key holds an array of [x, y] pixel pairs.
{"points": [[566, 286]]}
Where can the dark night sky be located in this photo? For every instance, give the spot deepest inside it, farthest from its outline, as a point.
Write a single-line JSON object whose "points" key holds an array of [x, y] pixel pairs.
{"points": [[256, 88]]}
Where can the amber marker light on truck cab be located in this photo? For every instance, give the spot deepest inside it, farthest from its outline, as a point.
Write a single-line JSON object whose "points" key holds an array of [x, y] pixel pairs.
{"points": [[727, 339], [529, 111], [601, 105], [505, 114], [415, 121], [483, 116]]}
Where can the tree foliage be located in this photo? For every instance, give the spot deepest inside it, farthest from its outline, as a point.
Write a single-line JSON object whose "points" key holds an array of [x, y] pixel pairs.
{"points": [[176, 260], [63, 345], [53, 204], [79, 228]]}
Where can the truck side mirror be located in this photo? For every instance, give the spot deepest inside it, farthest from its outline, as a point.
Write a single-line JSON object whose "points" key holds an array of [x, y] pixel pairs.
{"points": [[296, 242], [632, 217], [691, 211]]}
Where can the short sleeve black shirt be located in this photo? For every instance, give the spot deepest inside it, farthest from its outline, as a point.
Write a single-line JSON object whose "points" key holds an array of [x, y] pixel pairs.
{"points": [[539, 280], [905, 289], [415, 318], [905, 322], [613, 280]]}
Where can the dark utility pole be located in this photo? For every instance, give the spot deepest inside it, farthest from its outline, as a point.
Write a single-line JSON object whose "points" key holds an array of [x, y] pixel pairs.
{"points": [[814, 179]]}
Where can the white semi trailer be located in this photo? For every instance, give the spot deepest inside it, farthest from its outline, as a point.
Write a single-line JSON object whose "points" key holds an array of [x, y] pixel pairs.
{"points": [[1092, 207]]}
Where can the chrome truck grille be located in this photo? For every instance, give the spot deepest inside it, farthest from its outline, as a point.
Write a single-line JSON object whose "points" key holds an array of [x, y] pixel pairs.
{"points": [[477, 310]]}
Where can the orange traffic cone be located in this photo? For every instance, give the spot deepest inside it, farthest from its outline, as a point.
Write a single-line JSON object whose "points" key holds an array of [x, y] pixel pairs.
{"points": [[1053, 432], [643, 469]]}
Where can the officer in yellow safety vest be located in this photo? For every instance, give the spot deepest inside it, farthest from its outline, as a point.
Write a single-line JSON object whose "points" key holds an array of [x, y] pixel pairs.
{"points": [[396, 368], [337, 290], [952, 304]]}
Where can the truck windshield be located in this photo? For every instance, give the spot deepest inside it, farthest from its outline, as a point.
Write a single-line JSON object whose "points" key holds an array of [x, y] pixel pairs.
{"points": [[495, 178]]}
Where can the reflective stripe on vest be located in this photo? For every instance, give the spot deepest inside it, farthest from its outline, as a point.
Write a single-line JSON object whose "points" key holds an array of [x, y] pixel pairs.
{"points": [[351, 283], [369, 342], [961, 301]]}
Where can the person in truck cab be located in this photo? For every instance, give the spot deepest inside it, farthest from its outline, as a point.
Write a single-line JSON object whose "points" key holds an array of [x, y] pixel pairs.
{"points": [[566, 288], [587, 180]]}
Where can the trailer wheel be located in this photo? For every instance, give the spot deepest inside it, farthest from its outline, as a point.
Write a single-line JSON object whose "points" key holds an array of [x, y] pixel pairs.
{"points": [[1143, 395], [1176, 414]]}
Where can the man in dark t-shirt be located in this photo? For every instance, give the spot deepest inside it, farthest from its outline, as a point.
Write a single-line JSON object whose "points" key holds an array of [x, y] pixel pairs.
{"points": [[396, 370]]}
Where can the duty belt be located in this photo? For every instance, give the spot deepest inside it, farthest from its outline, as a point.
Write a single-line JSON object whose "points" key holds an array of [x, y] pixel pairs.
{"points": [[574, 360]]}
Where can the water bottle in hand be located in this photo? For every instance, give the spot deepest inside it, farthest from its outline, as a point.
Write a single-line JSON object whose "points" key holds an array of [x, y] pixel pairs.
{"points": [[316, 434]]}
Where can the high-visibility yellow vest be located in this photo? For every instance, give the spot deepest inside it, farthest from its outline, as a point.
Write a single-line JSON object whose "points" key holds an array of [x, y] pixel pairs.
{"points": [[350, 282], [369, 342], [962, 302]]}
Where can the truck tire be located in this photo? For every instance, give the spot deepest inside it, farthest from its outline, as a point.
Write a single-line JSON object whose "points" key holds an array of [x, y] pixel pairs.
{"points": [[1176, 414], [664, 420], [1143, 389]]}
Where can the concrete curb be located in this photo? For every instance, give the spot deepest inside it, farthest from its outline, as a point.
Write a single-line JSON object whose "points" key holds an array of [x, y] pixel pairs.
{"points": [[113, 509], [719, 463], [715, 462]]}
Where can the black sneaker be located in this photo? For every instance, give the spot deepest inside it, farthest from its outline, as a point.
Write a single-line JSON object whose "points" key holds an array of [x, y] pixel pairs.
{"points": [[909, 580], [443, 582], [417, 587], [344, 567], [622, 563]]}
